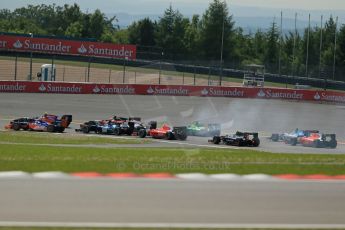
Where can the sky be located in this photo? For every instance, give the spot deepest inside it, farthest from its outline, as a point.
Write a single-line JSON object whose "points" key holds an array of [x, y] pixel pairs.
{"points": [[184, 6], [263, 11]]}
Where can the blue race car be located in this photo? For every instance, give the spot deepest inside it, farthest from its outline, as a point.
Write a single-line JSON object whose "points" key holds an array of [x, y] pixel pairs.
{"points": [[289, 137]]}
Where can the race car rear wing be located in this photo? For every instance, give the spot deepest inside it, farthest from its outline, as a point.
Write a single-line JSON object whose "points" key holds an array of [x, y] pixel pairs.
{"points": [[254, 134], [134, 118], [324, 137]]}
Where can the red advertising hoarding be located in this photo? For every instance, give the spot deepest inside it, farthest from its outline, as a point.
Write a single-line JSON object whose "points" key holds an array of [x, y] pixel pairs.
{"points": [[67, 47], [173, 90]]}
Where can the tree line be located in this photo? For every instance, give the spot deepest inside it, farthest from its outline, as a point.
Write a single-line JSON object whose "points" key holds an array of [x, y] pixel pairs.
{"points": [[202, 39]]}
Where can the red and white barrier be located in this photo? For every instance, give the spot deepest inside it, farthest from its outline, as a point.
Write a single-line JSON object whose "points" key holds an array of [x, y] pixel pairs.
{"points": [[181, 176], [171, 90]]}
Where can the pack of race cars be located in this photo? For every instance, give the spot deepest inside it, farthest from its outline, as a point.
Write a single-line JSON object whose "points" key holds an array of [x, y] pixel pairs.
{"points": [[133, 126]]}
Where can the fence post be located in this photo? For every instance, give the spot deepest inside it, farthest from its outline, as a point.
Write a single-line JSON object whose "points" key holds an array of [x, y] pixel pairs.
{"points": [[135, 77], [109, 75], [209, 76], [16, 67], [124, 71], [52, 70], [182, 78], [88, 70], [194, 73], [160, 70], [63, 74]]}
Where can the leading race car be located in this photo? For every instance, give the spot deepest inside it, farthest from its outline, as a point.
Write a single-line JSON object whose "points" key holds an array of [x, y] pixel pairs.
{"points": [[294, 135], [249, 139], [197, 128], [165, 132], [50, 123], [39, 125], [316, 140]]}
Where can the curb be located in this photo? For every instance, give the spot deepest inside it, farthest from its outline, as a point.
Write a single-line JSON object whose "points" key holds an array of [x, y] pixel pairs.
{"points": [[181, 176]]}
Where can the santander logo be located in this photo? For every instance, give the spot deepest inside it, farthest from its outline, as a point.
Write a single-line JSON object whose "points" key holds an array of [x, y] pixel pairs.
{"points": [[261, 93], [82, 49], [204, 92], [42, 88], [17, 44], [150, 90], [317, 96], [96, 89]]}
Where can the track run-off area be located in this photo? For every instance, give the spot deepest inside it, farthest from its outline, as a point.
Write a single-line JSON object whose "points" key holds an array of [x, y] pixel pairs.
{"points": [[189, 203]]}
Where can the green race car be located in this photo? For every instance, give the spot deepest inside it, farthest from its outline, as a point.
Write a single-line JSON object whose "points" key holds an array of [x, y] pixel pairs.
{"points": [[197, 128]]}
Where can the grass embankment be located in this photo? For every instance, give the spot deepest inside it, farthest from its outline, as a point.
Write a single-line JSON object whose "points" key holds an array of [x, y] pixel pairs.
{"points": [[65, 139], [147, 160]]}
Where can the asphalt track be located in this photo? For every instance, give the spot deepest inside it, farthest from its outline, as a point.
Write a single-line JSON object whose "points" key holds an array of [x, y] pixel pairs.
{"points": [[152, 203], [178, 203], [265, 116]]}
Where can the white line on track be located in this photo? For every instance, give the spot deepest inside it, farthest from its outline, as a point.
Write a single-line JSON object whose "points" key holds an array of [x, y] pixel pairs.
{"points": [[166, 225]]}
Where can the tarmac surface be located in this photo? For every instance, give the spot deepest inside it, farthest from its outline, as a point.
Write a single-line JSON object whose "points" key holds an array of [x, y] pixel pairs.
{"points": [[263, 116], [96, 202], [178, 203]]}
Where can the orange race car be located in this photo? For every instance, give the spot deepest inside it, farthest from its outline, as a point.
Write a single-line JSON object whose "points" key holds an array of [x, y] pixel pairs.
{"points": [[165, 132], [317, 140]]}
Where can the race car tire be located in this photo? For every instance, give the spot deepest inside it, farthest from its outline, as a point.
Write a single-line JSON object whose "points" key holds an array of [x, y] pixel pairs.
{"points": [[86, 129], [61, 129], [130, 132], [16, 126], [256, 142], [142, 133], [333, 144], [50, 128], [181, 136], [293, 141], [216, 140], [170, 136], [317, 144], [117, 132]]}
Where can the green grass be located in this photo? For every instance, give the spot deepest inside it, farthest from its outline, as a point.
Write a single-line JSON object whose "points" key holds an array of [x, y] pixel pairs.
{"points": [[66, 139], [147, 160]]}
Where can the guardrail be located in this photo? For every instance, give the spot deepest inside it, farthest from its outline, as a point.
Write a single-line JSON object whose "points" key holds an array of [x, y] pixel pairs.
{"points": [[171, 90]]}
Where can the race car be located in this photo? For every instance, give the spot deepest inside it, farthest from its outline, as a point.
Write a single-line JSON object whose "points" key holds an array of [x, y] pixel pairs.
{"points": [[20, 123], [90, 126], [294, 135], [316, 140], [26, 123], [165, 132], [249, 139], [197, 128], [130, 126], [39, 125]]}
